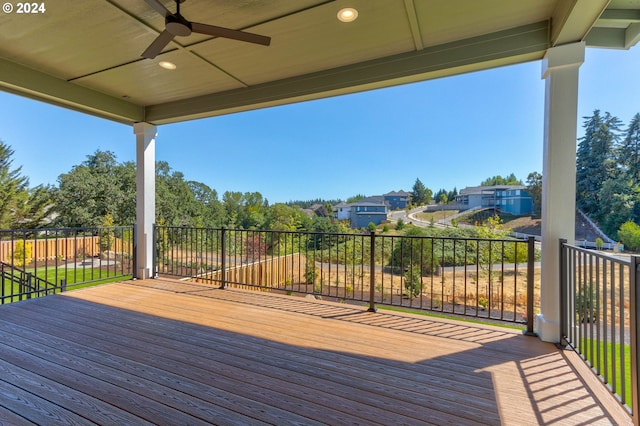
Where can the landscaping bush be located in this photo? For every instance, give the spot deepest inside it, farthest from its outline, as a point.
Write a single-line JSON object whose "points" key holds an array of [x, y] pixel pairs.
{"points": [[629, 235]]}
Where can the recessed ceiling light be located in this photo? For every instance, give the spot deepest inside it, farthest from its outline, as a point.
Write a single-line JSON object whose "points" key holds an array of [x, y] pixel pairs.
{"points": [[348, 14], [167, 65]]}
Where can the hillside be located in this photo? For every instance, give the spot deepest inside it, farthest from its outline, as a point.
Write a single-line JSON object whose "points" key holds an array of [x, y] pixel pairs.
{"points": [[533, 226], [526, 225]]}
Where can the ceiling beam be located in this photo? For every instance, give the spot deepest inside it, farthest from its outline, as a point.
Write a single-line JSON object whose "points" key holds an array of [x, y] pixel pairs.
{"points": [[614, 38], [20, 80], [611, 16], [572, 20], [616, 28], [414, 25], [516, 45]]}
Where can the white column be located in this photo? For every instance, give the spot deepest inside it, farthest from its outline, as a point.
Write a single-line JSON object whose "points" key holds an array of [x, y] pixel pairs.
{"points": [[145, 197], [560, 70]]}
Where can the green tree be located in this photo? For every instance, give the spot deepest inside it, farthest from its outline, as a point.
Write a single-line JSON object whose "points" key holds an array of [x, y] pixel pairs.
{"points": [[13, 190], [355, 198], [629, 161], [413, 253], [629, 150], [210, 209], [451, 195], [499, 180], [282, 217], [629, 235], [595, 160], [33, 209], [176, 204], [255, 207], [617, 199], [91, 190], [534, 188], [420, 194]]}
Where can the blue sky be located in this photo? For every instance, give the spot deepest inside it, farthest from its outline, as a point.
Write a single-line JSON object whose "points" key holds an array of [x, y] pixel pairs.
{"points": [[451, 132]]}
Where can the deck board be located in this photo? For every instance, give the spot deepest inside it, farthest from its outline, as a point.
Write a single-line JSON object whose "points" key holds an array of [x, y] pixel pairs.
{"points": [[169, 352]]}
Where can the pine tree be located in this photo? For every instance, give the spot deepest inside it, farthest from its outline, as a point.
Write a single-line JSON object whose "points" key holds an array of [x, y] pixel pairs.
{"points": [[420, 194], [595, 160], [629, 152], [13, 189]]}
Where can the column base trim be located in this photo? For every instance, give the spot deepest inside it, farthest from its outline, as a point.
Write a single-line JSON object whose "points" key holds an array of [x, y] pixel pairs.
{"points": [[548, 331]]}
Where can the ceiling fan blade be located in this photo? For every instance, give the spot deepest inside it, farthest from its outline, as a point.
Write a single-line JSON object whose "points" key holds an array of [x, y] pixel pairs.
{"points": [[159, 7], [157, 45], [215, 31]]}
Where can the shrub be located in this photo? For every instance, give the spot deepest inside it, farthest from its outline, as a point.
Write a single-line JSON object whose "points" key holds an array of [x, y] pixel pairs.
{"points": [[413, 253], [311, 271], [629, 235], [371, 226], [412, 281], [587, 304], [400, 224], [599, 243], [22, 253], [106, 233]]}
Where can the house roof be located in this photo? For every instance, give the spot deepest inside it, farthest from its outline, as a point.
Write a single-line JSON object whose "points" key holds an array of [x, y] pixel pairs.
{"points": [[86, 55], [374, 199], [400, 193], [368, 204]]}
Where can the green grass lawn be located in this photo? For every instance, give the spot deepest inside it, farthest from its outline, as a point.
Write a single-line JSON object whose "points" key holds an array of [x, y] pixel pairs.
{"points": [[614, 353], [75, 278]]}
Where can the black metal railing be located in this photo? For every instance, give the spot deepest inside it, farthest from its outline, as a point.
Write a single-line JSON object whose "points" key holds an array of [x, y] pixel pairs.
{"points": [[18, 284], [599, 305], [483, 278], [37, 262]]}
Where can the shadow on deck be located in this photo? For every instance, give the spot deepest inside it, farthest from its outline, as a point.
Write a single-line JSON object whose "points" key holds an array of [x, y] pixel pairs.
{"points": [[170, 352]]}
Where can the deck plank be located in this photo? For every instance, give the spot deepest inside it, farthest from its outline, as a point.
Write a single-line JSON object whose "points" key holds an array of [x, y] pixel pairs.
{"points": [[172, 352]]}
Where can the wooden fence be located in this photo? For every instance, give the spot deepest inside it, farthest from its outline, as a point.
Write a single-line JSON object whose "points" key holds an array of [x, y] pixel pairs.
{"points": [[41, 250], [273, 272]]}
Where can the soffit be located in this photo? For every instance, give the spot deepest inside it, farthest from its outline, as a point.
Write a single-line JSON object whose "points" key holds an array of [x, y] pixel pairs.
{"points": [[85, 54]]}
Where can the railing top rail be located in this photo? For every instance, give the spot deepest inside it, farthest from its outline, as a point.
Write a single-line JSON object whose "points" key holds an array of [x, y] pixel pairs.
{"points": [[345, 234], [75, 229], [624, 259]]}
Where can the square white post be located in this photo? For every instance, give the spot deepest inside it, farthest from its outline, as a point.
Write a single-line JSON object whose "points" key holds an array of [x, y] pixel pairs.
{"points": [[145, 197], [560, 69]]}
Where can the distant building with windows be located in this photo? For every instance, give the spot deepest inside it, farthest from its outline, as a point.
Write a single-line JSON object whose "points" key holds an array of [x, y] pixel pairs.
{"points": [[365, 212], [372, 209], [397, 200], [342, 211], [512, 199]]}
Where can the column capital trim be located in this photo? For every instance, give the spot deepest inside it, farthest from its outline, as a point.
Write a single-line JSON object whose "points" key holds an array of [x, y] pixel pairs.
{"points": [[143, 128], [562, 57]]}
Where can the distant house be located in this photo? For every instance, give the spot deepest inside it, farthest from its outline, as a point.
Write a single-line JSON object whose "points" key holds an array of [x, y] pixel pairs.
{"points": [[365, 212], [342, 211], [513, 199], [397, 200], [372, 209]]}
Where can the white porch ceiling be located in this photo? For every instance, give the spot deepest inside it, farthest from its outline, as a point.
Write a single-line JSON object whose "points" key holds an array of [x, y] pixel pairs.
{"points": [[85, 55]]}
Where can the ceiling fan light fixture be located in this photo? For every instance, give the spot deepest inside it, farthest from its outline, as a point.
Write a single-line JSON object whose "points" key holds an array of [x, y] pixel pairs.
{"points": [[347, 14], [167, 65]]}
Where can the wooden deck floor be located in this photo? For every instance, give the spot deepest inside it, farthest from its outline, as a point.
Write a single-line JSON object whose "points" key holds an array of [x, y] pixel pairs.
{"points": [[166, 352]]}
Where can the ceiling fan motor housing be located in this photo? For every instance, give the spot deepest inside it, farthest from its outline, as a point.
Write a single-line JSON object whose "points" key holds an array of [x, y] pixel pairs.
{"points": [[178, 26]]}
